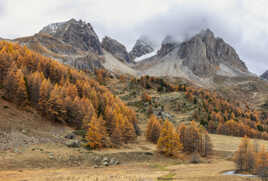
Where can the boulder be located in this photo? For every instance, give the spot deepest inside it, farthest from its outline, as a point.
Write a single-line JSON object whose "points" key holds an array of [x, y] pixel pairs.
{"points": [[70, 136], [73, 143]]}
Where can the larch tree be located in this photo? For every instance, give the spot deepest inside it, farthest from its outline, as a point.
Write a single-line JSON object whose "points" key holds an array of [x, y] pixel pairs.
{"points": [[169, 141], [34, 82], [56, 109], [21, 95], [153, 129], [262, 163], [244, 156], [128, 131], [96, 135], [44, 94]]}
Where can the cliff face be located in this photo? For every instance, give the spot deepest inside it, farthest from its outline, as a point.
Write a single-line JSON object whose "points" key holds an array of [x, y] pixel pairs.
{"points": [[75, 43], [76, 33], [201, 58], [72, 42], [116, 48], [265, 75], [203, 54], [167, 45]]}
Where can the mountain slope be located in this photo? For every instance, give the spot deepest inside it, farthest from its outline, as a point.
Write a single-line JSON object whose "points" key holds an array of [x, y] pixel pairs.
{"points": [[75, 43], [116, 65], [200, 58], [116, 48], [72, 42], [64, 95], [79, 34]]}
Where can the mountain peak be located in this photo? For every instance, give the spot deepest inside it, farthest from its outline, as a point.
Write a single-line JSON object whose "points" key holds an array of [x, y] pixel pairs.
{"points": [[204, 55], [206, 33], [201, 56], [265, 75], [168, 44], [116, 48], [144, 45], [72, 21], [169, 40], [77, 33]]}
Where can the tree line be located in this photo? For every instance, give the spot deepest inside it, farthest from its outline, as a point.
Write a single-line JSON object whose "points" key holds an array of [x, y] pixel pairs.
{"points": [[227, 117], [214, 112]]}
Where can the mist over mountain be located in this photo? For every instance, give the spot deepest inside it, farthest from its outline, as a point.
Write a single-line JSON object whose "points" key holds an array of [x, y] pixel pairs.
{"points": [[265, 75]]}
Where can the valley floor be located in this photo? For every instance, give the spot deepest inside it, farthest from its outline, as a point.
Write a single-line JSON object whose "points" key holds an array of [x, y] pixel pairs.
{"points": [[133, 171], [47, 162]]}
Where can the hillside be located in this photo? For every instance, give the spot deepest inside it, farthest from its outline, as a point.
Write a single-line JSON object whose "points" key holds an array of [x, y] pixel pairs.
{"points": [[52, 160], [65, 96]]}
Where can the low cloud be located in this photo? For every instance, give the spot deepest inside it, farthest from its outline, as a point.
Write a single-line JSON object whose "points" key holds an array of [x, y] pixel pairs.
{"points": [[241, 23], [245, 31]]}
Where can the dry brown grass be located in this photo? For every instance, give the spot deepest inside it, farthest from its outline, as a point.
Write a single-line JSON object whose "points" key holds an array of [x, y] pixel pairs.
{"points": [[157, 168], [230, 143]]}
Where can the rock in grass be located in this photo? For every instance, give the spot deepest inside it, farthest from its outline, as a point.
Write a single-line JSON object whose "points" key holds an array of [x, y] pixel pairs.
{"points": [[73, 143]]}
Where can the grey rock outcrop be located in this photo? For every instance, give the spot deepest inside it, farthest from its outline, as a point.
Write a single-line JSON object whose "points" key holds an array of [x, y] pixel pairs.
{"points": [[105, 161], [199, 58], [72, 42], [204, 53], [76, 33], [70, 136], [116, 48], [72, 143], [167, 45], [265, 75], [142, 47]]}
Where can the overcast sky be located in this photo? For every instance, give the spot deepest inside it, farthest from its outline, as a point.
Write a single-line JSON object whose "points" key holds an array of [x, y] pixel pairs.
{"points": [[241, 23]]}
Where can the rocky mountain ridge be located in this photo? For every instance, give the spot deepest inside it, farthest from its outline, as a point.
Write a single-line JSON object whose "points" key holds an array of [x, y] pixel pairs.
{"points": [[79, 34], [265, 75], [199, 58], [142, 47], [167, 45], [76, 43], [116, 48]]}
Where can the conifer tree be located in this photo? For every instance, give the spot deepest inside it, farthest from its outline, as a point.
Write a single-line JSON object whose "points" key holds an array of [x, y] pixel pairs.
{"points": [[244, 157], [169, 141], [153, 129], [56, 109], [44, 94], [262, 163], [34, 82], [116, 136], [96, 135], [21, 95], [128, 131]]}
